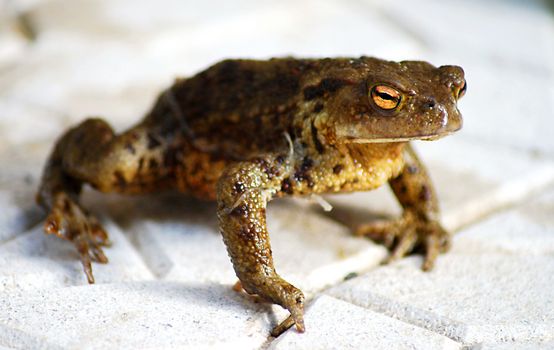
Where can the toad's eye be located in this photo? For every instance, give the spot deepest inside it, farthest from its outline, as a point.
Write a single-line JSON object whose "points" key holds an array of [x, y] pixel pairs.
{"points": [[385, 97], [461, 91]]}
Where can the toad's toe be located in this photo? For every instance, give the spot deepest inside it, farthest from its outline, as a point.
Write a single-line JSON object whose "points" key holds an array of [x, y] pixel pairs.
{"points": [[69, 221]]}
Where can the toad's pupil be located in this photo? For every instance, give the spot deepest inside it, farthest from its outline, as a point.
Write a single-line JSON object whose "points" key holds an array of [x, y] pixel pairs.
{"points": [[386, 96]]}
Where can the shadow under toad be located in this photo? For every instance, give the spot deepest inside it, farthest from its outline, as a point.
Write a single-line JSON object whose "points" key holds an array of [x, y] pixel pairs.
{"points": [[124, 209], [354, 216], [163, 207]]}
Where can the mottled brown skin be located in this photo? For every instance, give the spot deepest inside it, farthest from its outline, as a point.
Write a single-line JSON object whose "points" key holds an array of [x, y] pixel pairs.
{"points": [[243, 132]]}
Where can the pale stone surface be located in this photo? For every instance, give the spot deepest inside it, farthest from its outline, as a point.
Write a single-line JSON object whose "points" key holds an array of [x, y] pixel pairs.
{"points": [[17, 214], [469, 28], [12, 39], [498, 110], [18, 185], [334, 324], [548, 345], [133, 315], [526, 229], [316, 252], [34, 260], [469, 298]]}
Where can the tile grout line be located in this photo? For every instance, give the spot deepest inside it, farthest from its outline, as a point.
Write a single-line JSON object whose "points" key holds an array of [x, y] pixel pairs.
{"points": [[504, 197], [529, 151], [383, 310], [379, 305], [107, 219]]}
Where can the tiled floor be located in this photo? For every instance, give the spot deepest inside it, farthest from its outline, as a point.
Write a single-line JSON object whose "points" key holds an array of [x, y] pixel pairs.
{"points": [[168, 283]]}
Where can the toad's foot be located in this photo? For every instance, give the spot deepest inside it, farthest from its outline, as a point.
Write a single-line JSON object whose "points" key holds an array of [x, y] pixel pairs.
{"points": [[405, 234], [279, 291], [296, 308], [69, 221]]}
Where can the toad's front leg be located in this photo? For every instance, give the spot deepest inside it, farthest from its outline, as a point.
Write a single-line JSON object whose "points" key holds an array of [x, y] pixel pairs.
{"points": [[419, 224], [242, 194]]}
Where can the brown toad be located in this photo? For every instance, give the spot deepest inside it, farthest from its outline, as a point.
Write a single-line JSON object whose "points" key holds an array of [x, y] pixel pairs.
{"points": [[243, 132]]}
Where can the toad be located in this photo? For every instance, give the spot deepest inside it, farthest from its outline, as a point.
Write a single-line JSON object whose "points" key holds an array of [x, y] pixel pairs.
{"points": [[244, 132]]}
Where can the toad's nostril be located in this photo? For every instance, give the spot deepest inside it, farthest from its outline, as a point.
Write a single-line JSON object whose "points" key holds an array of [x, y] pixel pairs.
{"points": [[430, 104]]}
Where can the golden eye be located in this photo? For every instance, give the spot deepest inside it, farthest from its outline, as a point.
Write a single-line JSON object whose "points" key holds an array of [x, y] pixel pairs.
{"points": [[462, 91], [385, 97]]}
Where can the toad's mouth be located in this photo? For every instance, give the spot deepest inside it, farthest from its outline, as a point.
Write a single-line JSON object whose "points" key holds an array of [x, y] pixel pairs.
{"points": [[400, 139]]}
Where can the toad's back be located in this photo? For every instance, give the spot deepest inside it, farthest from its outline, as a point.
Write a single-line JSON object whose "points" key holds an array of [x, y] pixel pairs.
{"points": [[236, 107]]}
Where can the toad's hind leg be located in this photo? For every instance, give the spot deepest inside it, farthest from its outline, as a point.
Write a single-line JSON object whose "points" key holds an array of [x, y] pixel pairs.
{"points": [[92, 153]]}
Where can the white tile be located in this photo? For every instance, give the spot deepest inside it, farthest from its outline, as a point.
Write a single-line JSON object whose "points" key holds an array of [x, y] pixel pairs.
{"points": [[315, 252], [12, 46], [527, 229], [474, 179], [19, 178], [133, 315], [335, 324], [467, 28], [496, 107], [469, 298], [25, 123], [229, 31], [548, 345], [17, 213], [178, 240], [13, 43], [34, 260]]}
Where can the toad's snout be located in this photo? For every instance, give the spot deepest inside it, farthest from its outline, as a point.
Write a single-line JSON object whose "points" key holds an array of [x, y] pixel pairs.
{"points": [[453, 78]]}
